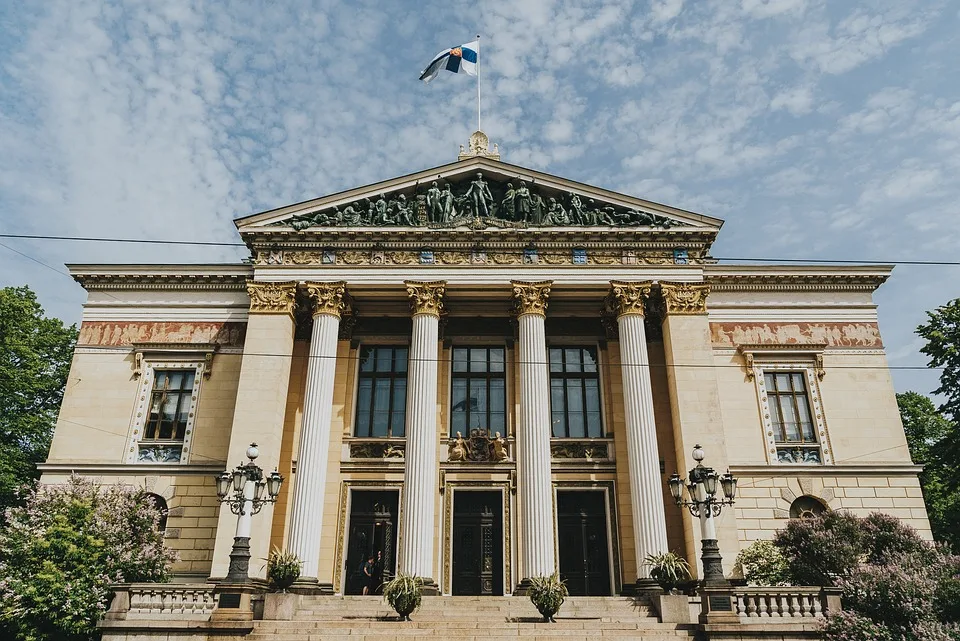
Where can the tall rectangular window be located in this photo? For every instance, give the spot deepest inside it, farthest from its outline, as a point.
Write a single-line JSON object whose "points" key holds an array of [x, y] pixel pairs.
{"points": [[794, 429], [478, 390], [169, 405], [381, 392], [575, 392]]}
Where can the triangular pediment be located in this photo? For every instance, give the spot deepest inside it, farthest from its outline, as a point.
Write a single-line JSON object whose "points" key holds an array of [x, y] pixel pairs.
{"points": [[478, 193]]}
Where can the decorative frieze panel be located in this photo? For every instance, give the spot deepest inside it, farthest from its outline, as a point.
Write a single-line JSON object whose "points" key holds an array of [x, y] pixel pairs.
{"points": [[377, 450], [492, 256], [581, 450]]}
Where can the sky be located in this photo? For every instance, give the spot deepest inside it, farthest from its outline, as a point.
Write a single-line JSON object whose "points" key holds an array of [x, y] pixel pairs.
{"points": [[815, 129]]}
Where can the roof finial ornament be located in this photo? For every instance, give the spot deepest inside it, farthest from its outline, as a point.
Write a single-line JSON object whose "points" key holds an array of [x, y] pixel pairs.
{"points": [[479, 147]]}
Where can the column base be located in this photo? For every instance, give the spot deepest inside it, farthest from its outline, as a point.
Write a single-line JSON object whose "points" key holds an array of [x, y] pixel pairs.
{"points": [[239, 570], [310, 585], [644, 587], [712, 565], [523, 588], [430, 587]]}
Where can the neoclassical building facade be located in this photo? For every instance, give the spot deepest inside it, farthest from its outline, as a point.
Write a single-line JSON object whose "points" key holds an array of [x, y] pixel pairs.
{"points": [[483, 373]]}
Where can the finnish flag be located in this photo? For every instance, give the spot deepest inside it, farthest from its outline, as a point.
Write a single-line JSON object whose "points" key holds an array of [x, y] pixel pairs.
{"points": [[458, 59]]}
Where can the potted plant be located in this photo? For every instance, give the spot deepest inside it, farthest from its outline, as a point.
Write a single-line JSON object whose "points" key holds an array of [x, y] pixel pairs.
{"points": [[283, 568], [404, 593], [547, 594], [668, 569]]}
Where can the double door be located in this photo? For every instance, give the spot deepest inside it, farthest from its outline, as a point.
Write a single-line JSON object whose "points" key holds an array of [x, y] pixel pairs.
{"points": [[477, 543], [582, 542]]}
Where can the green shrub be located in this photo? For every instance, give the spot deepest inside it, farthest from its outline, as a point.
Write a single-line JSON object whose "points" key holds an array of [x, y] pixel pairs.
{"points": [[821, 550], [668, 569], [404, 594], [547, 594], [283, 568], [62, 550], [762, 563]]}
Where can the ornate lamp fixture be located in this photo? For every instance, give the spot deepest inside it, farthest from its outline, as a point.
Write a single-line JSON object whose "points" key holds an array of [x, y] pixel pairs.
{"points": [[703, 502], [248, 484]]}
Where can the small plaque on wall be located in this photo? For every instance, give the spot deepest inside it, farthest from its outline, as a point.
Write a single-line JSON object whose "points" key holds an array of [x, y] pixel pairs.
{"points": [[721, 604], [228, 600]]}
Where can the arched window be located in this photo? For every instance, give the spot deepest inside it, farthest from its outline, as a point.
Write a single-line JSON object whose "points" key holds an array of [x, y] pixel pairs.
{"points": [[160, 505], [806, 507]]}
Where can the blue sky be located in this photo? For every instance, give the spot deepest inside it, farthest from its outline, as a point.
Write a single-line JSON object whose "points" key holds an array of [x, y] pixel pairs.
{"points": [[815, 129]]}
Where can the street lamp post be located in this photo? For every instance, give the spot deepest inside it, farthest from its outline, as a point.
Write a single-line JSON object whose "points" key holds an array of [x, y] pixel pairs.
{"points": [[703, 502], [248, 484]]}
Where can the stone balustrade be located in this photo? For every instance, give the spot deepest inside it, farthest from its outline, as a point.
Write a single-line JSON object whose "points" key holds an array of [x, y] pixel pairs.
{"points": [[193, 601], [755, 603]]}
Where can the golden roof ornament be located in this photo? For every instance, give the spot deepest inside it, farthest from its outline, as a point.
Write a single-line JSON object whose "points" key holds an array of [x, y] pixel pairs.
{"points": [[479, 146]]}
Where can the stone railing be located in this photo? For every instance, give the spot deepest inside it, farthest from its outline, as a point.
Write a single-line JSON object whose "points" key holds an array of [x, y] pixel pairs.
{"points": [[193, 601], [755, 603]]}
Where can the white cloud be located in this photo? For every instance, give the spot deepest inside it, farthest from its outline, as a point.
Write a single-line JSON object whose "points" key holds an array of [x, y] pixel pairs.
{"points": [[797, 100]]}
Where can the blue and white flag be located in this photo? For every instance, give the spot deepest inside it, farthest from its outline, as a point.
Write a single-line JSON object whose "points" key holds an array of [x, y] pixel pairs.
{"points": [[458, 59]]}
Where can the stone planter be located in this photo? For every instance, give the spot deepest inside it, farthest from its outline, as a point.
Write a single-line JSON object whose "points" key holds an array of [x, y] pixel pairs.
{"points": [[280, 606]]}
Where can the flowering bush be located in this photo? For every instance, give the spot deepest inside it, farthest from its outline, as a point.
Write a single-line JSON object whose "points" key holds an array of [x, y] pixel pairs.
{"points": [[762, 563], [823, 549], [62, 550]]}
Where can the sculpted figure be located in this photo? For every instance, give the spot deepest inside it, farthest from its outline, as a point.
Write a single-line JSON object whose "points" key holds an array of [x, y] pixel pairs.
{"points": [[380, 215], [434, 207], [499, 447], [605, 216], [448, 207], [576, 210], [351, 216], [522, 202], [538, 208], [404, 211], [458, 449], [479, 197], [507, 206], [556, 214]]}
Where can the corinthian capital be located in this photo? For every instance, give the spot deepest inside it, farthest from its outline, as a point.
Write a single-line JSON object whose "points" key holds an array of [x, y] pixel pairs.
{"points": [[531, 298], [426, 298], [271, 298], [327, 297], [629, 298], [685, 298]]}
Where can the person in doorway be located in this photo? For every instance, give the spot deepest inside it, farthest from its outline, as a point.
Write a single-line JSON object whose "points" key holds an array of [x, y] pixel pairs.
{"points": [[371, 573]]}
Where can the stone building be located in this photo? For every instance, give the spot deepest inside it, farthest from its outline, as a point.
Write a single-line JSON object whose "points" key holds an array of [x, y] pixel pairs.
{"points": [[485, 373]]}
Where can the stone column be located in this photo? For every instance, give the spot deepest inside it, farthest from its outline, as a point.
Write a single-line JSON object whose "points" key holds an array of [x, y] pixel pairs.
{"points": [[534, 488], [695, 401], [417, 536], [306, 522], [643, 458], [260, 409]]}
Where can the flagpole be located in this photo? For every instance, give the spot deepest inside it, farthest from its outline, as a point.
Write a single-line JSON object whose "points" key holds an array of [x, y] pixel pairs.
{"points": [[478, 82]]}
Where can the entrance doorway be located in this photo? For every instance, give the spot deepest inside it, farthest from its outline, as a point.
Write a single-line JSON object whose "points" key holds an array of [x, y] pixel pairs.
{"points": [[477, 543], [372, 530], [582, 538]]}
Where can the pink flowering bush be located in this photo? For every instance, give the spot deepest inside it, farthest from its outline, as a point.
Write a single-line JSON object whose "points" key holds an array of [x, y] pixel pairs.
{"points": [[60, 553]]}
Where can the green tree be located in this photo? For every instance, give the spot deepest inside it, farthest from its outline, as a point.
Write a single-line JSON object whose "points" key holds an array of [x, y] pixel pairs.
{"points": [[35, 354], [942, 333], [928, 435]]}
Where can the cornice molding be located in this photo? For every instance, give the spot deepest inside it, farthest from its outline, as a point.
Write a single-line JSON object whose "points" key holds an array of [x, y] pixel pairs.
{"points": [[133, 469], [785, 282], [865, 469], [162, 277]]}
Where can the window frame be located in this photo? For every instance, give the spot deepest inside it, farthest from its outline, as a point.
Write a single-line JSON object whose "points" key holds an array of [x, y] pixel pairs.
{"points": [[810, 371], [583, 376], [505, 375], [392, 375], [136, 440]]}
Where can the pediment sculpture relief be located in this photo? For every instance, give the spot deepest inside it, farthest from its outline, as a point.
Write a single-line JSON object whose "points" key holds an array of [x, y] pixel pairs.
{"points": [[478, 202]]}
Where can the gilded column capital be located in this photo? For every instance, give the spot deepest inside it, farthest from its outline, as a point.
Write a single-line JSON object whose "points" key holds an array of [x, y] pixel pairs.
{"points": [[531, 298], [327, 298], [426, 297], [628, 298], [685, 298], [271, 298]]}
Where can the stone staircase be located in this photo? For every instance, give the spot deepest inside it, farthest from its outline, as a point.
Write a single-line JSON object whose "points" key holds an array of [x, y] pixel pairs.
{"points": [[467, 618]]}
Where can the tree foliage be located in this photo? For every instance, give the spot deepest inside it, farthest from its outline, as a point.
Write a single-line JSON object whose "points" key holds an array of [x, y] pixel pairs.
{"points": [[60, 552], [35, 354]]}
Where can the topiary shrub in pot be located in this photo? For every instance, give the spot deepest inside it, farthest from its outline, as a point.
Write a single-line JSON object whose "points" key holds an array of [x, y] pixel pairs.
{"points": [[668, 569], [547, 594], [404, 594], [283, 568]]}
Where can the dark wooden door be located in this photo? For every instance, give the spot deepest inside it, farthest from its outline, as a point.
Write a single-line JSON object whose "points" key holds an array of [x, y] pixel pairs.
{"points": [[477, 543], [372, 529], [582, 538]]}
